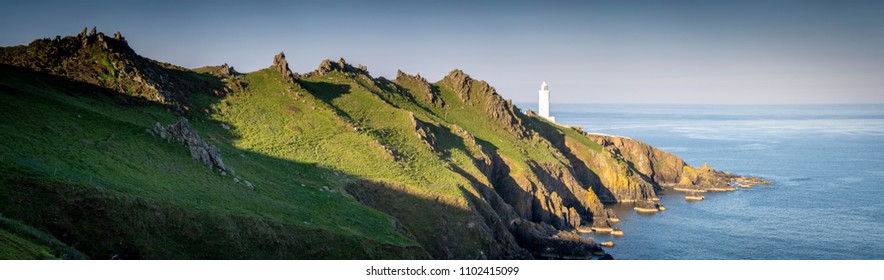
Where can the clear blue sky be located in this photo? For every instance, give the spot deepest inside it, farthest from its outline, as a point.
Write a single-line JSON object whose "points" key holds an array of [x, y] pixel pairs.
{"points": [[702, 51]]}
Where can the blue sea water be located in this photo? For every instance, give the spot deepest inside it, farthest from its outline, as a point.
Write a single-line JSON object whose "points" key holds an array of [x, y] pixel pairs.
{"points": [[827, 162]]}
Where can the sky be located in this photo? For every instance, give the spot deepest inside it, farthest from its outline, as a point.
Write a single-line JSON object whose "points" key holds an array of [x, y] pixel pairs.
{"points": [[649, 52]]}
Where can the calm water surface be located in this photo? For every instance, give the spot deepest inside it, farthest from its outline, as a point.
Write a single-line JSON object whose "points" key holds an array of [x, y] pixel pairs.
{"points": [[827, 162]]}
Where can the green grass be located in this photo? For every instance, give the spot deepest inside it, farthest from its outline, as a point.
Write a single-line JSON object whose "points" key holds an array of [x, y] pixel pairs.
{"points": [[102, 58], [21, 242], [390, 127], [79, 164], [346, 134], [87, 141], [288, 141], [474, 118]]}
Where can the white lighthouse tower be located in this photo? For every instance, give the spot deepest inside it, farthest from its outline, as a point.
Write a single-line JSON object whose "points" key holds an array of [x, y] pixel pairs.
{"points": [[543, 104]]}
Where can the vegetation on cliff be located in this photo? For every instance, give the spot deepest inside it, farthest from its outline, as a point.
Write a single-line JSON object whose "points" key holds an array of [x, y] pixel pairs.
{"points": [[334, 163]]}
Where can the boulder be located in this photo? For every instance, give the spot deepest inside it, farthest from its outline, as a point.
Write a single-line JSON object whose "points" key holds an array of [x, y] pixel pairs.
{"points": [[200, 149]]}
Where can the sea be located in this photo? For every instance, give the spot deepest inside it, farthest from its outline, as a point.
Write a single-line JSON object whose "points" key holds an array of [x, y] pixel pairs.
{"points": [[826, 162]]}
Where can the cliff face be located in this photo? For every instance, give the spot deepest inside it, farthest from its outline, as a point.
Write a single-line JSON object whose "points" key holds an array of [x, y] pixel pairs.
{"points": [[449, 169], [665, 170]]}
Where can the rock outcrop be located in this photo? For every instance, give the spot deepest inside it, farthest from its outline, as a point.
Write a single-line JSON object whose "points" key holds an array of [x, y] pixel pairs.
{"points": [[509, 184], [328, 66], [223, 70], [481, 95], [282, 66], [423, 90], [423, 132], [663, 169], [658, 166], [200, 149], [109, 62]]}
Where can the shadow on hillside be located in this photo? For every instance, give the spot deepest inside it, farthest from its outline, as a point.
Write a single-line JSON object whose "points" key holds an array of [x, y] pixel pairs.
{"points": [[66, 85], [105, 224], [657, 188], [585, 176], [381, 83], [106, 221], [325, 91], [505, 187], [328, 92], [446, 229]]}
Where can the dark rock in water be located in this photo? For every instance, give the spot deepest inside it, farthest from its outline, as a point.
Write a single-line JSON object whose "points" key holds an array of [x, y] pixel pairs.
{"points": [[547, 243], [660, 206], [612, 217], [200, 149], [607, 257], [529, 191]]}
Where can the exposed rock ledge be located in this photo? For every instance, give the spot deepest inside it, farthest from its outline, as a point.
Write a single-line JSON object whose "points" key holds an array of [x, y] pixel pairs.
{"points": [[664, 170], [200, 150]]}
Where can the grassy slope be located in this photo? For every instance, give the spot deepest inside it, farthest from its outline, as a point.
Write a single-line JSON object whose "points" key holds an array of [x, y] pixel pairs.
{"points": [[21, 242], [337, 124], [378, 121], [57, 133], [451, 147], [595, 167], [341, 131], [487, 132]]}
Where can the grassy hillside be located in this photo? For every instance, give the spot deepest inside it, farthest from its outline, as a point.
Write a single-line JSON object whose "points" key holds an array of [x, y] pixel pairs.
{"points": [[21, 242], [66, 136], [333, 163], [346, 135]]}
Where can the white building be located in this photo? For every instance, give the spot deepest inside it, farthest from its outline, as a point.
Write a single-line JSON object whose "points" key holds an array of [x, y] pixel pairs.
{"points": [[543, 104]]}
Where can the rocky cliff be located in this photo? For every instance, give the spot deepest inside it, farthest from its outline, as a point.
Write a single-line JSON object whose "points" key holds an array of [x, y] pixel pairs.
{"points": [[109, 62], [454, 169], [663, 169]]}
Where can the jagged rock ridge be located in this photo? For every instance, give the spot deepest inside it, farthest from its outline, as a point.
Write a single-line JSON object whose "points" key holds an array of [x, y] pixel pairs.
{"points": [[426, 92], [107, 62], [469, 91], [547, 183]]}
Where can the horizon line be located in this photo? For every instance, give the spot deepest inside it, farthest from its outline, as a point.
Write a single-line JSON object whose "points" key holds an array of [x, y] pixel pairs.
{"points": [[695, 104]]}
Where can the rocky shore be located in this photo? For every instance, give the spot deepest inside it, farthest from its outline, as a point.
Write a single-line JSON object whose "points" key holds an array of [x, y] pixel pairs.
{"points": [[460, 171]]}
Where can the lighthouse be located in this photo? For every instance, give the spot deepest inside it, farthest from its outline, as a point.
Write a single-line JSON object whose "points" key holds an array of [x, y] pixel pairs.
{"points": [[543, 102]]}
